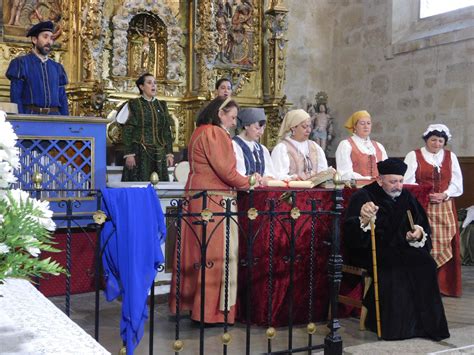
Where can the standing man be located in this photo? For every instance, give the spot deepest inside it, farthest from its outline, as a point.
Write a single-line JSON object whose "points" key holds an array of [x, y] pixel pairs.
{"points": [[38, 82], [410, 301]]}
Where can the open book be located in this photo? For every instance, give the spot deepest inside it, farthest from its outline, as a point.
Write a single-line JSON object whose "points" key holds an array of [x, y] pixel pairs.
{"points": [[314, 181]]}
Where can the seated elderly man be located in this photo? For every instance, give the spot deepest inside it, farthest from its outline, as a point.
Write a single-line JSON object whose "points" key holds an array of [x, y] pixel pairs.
{"points": [[410, 301]]}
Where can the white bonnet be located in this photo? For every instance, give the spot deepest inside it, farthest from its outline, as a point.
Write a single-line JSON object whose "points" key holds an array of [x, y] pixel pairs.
{"points": [[437, 127]]}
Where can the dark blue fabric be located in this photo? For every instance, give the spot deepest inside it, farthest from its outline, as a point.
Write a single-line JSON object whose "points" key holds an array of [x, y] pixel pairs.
{"points": [[38, 83], [131, 243], [254, 162]]}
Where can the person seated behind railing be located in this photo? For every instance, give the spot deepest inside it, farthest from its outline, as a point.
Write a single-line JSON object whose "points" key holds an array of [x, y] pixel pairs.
{"points": [[410, 300], [357, 156], [252, 157], [296, 157]]}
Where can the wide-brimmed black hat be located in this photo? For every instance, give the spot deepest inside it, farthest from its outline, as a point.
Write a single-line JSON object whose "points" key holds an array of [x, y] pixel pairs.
{"points": [[40, 27], [392, 166]]}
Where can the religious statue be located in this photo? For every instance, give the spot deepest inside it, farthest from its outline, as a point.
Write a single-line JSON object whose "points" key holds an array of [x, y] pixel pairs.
{"points": [[26, 13], [321, 121], [98, 96], [147, 46], [223, 16], [235, 32], [16, 7]]}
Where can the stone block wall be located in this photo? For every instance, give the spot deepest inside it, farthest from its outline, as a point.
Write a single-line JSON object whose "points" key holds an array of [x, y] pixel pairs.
{"points": [[341, 47]]}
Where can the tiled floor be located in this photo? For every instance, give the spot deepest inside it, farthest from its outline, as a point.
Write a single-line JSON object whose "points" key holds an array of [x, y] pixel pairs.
{"points": [[460, 314]]}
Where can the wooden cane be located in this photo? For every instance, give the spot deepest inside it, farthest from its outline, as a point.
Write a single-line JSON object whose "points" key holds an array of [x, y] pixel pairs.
{"points": [[376, 281], [410, 220]]}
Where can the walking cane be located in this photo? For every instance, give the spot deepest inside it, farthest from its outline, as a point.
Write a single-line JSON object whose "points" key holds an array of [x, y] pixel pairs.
{"points": [[376, 281]]}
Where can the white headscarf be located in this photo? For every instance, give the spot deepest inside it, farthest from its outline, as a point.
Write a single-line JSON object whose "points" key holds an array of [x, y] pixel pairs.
{"points": [[292, 118]]}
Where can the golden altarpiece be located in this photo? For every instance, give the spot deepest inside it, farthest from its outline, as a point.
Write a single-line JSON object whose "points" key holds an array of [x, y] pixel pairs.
{"points": [[105, 45]]}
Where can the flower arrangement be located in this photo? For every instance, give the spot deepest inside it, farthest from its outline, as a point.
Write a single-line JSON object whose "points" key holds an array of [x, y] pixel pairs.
{"points": [[25, 223]]}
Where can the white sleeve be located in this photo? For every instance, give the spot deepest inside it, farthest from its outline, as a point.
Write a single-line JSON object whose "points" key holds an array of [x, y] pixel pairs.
{"points": [[122, 115], [239, 157], [455, 187], [281, 161], [384, 152], [322, 161], [269, 168], [344, 162], [410, 160]]}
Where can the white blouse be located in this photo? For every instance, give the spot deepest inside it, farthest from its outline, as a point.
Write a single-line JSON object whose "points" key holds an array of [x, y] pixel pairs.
{"points": [[343, 156], [455, 187], [281, 159], [239, 156]]}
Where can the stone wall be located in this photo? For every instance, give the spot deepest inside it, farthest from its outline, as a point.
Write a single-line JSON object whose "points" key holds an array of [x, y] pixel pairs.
{"points": [[341, 47]]}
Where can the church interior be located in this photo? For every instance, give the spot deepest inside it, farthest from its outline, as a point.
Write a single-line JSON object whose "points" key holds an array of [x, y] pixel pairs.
{"points": [[382, 56]]}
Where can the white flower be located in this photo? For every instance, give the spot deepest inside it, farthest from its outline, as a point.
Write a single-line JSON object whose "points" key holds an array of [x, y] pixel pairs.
{"points": [[43, 215], [42, 206], [1, 218], [46, 214], [46, 223], [7, 135], [34, 251], [10, 155], [18, 196], [4, 248], [30, 243], [6, 175]]}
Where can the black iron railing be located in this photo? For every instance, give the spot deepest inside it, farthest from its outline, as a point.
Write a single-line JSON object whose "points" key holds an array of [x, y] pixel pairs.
{"points": [[267, 218]]}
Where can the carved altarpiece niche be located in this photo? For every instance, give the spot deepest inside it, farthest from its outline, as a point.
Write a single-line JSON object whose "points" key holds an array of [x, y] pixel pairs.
{"points": [[147, 40], [106, 44]]}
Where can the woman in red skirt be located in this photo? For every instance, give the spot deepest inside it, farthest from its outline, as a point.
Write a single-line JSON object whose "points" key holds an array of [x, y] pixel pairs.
{"points": [[439, 168]]}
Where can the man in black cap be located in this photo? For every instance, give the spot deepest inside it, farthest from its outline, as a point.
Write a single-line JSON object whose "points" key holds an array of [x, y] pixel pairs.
{"points": [[410, 301], [38, 82]]}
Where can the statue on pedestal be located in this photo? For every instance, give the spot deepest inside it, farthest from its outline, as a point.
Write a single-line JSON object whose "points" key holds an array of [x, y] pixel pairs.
{"points": [[322, 121]]}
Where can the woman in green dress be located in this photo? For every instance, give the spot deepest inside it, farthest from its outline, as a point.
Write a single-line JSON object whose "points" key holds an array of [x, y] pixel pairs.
{"points": [[146, 135]]}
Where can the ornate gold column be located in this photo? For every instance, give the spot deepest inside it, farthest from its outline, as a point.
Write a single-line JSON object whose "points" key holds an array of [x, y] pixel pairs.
{"points": [[93, 35], [276, 23], [206, 44]]}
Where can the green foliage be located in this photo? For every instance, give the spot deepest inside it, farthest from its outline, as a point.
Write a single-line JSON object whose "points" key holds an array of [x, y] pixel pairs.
{"points": [[24, 234]]}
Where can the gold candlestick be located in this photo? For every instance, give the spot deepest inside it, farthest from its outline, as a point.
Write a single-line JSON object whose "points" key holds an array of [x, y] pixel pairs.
{"points": [[338, 180], [154, 179], [37, 179]]}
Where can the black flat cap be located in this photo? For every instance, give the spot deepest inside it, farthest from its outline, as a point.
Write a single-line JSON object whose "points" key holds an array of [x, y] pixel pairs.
{"points": [[40, 27], [392, 166]]}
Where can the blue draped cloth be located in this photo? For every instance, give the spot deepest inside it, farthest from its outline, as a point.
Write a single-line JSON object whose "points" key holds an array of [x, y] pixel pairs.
{"points": [[131, 242], [38, 83]]}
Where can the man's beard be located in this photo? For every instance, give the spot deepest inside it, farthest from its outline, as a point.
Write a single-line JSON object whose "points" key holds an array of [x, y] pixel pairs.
{"points": [[45, 50], [394, 193]]}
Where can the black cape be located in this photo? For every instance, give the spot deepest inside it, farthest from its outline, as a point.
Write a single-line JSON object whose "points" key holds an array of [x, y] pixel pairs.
{"points": [[410, 301]]}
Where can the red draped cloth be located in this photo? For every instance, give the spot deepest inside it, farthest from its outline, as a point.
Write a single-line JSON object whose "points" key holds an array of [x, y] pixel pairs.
{"points": [[258, 275], [260, 271]]}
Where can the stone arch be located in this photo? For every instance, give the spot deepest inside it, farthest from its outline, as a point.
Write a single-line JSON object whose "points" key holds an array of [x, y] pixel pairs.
{"points": [[120, 25]]}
